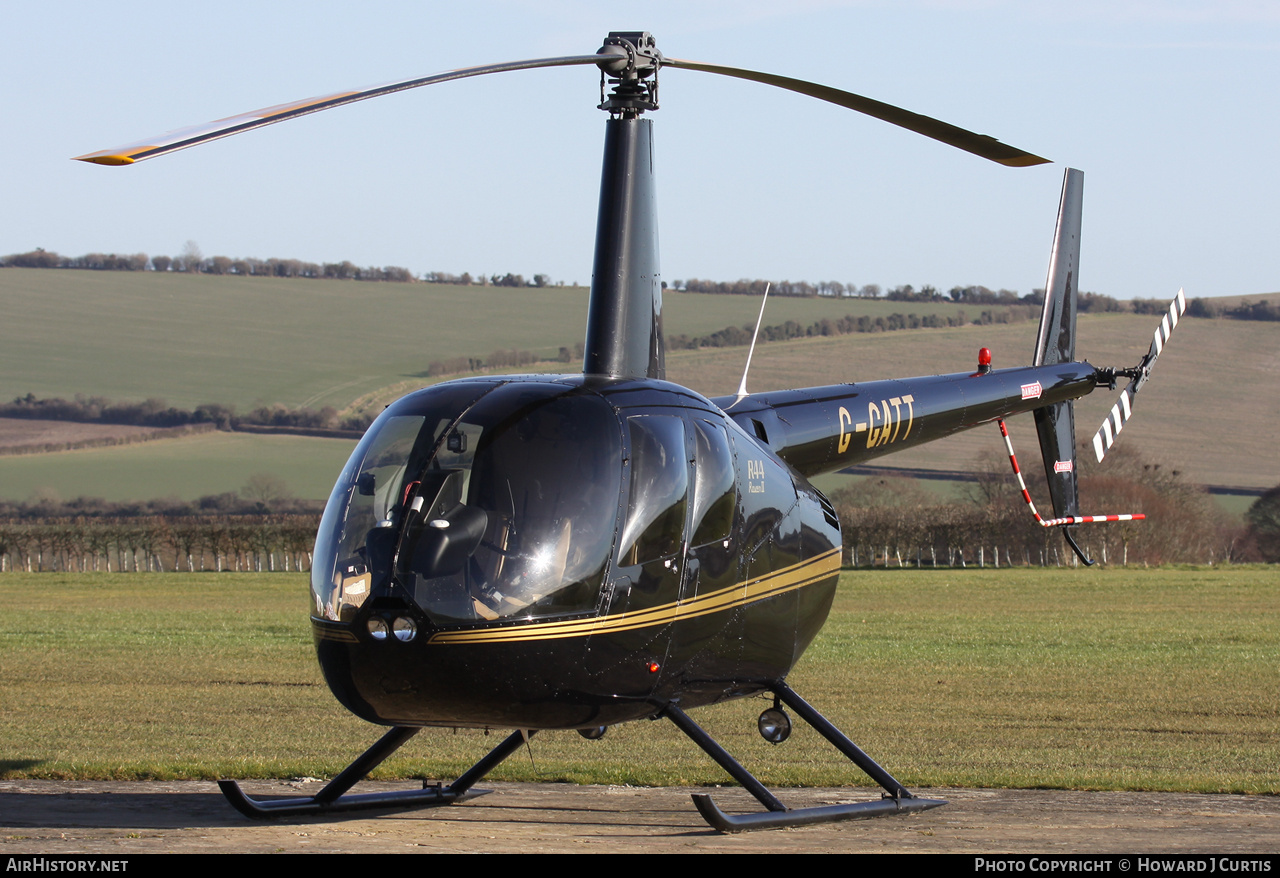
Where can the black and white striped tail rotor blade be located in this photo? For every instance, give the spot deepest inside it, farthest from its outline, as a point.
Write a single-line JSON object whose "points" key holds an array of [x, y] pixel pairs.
{"points": [[1177, 308], [1122, 411], [1116, 419]]}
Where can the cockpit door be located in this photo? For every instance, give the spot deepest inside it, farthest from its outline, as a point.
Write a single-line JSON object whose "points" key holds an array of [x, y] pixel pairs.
{"points": [[770, 549], [710, 640], [644, 583]]}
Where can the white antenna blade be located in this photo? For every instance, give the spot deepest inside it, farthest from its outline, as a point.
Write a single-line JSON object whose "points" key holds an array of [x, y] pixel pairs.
{"points": [[742, 388]]}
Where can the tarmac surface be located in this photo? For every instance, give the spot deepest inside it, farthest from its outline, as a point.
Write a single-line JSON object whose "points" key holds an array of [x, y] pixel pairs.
{"points": [[122, 818]]}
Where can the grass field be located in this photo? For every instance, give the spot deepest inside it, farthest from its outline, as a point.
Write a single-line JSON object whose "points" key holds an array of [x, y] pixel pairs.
{"points": [[246, 341], [186, 468], [1117, 679]]}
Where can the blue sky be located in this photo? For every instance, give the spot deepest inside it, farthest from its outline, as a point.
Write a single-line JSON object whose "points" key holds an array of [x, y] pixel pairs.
{"points": [[1168, 107]]}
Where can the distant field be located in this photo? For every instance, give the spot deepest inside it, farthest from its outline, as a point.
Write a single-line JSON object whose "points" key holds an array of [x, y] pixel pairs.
{"points": [[187, 468], [250, 341], [1080, 679], [25, 433]]}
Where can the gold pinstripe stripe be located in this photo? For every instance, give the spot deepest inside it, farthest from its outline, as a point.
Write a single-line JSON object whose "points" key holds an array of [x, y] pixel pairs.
{"points": [[779, 582], [325, 633]]}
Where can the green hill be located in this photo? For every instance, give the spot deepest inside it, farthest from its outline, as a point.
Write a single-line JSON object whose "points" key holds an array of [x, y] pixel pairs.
{"points": [[248, 341], [1210, 410]]}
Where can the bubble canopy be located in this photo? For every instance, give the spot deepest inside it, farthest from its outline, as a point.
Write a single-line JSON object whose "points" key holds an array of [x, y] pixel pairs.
{"points": [[475, 501]]}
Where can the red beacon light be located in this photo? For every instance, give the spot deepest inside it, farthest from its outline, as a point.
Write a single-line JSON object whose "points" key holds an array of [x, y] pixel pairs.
{"points": [[984, 361]]}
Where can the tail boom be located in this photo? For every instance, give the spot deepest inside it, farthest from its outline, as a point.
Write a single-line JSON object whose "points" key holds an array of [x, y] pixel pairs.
{"points": [[823, 429]]}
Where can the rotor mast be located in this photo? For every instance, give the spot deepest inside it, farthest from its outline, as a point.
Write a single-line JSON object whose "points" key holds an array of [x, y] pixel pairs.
{"points": [[624, 318]]}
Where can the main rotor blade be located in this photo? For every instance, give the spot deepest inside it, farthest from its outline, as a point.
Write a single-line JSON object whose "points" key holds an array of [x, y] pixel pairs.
{"points": [[197, 134], [979, 144]]}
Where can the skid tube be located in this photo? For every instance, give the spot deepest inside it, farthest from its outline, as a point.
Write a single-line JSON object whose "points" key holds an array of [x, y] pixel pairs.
{"points": [[331, 799], [896, 799]]}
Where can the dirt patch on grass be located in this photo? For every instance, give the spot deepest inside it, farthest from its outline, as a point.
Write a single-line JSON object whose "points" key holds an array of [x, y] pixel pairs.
{"points": [[31, 436]]}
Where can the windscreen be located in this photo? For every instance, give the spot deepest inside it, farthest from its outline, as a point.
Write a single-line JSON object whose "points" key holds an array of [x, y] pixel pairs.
{"points": [[494, 508]]}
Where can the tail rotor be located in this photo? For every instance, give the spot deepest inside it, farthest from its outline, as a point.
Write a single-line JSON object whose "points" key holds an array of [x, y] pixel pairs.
{"points": [[1122, 411]]}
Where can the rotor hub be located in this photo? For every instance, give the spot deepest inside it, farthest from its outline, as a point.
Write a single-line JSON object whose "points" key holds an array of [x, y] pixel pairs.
{"points": [[629, 61]]}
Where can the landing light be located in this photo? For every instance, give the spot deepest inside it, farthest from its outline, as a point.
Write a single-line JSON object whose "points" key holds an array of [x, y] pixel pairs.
{"points": [[377, 628], [404, 629], [775, 725]]}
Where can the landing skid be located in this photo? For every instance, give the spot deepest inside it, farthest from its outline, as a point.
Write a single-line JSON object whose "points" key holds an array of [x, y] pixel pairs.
{"points": [[897, 800], [332, 798]]}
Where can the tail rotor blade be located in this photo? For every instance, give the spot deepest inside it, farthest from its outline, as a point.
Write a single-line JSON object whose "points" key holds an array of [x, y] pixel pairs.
{"points": [[1177, 308], [1122, 411], [1111, 427]]}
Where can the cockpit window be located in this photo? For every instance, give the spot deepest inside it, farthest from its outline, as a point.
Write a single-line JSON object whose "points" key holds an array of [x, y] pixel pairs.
{"points": [[715, 496], [659, 489], [504, 509]]}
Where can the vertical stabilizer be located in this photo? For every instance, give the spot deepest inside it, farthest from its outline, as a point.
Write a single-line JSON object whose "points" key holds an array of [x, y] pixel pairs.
{"points": [[1056, 343], [1057, 340]]}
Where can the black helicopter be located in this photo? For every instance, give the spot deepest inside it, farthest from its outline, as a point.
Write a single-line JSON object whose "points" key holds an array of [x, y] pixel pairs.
{"points": [[575, 551]]}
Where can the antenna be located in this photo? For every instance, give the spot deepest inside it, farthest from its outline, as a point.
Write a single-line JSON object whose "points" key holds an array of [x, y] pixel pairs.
{"points": [[742, 388]]}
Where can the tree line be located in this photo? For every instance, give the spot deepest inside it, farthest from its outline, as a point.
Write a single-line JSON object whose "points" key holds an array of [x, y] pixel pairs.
{"points": [[1087, 302], [466, 279], [734, 336], [154, 412], [737, 336], [241, 543], [886, 522], [191, 261], [260, 527], [1260, 310]]}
